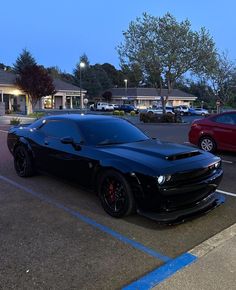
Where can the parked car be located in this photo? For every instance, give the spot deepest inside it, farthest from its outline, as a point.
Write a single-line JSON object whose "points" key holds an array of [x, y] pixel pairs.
{"points": [[101, 106], [115, 106], [130, 172], [159, 110], [217, 132], [182, 110], [198, 111], [128, 109]]}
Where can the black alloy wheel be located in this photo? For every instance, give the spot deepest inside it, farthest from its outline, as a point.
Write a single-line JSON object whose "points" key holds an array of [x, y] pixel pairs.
{"points": [[115, 194], [206, 143], [23, 162]]}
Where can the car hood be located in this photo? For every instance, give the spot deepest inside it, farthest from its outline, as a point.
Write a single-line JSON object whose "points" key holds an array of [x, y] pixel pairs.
{"points": [[157, 156]]}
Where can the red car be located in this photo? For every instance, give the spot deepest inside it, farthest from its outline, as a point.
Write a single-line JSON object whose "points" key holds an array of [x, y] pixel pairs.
{"points": [[217, 132]]}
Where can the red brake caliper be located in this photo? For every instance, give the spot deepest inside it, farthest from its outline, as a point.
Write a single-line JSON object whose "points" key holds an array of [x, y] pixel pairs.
{"points": [[111, 192]]}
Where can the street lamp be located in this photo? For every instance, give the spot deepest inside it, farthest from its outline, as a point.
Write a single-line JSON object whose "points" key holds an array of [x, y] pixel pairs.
{"points": [[126, 83], [81, 65]]}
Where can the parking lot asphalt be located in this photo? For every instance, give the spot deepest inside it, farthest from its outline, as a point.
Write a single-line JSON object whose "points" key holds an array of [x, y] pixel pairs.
{"points": [[56, 235]]}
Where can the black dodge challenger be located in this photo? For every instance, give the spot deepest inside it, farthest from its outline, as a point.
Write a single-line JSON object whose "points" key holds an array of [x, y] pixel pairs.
{"points": [[130, 171]]}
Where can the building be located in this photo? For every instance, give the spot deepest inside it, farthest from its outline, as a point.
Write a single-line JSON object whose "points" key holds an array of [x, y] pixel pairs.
{"points": [[146, 97], [67, 95]]}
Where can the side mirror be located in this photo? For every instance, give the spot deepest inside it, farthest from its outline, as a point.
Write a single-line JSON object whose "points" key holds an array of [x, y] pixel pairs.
{"points": [[70, 140], [67, 140]]}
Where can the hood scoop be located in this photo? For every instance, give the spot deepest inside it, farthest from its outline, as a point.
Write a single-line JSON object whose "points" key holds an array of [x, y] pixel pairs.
{"points": [[182, 155]]}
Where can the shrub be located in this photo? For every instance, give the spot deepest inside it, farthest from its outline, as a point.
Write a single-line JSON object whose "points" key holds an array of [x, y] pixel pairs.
{"points": [[116, 112], [132, 113], [167, 118], [37, 115], [122, 113], [156, 118], [15, 121]]}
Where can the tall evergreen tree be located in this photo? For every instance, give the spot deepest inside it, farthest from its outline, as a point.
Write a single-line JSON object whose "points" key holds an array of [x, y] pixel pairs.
{"points": [[25, 59]]}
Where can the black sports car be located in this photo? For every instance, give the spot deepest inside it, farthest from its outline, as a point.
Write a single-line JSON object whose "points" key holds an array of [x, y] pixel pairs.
{"points": [[130, 171]]}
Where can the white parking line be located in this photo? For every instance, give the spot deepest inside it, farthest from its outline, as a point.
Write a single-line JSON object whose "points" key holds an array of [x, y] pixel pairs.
{"points": [[3, 131], [227, 161], [226, 193]]}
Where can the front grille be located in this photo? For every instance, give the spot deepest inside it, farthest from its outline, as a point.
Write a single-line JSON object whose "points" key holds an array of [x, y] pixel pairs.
{"points": [[193, 175]]}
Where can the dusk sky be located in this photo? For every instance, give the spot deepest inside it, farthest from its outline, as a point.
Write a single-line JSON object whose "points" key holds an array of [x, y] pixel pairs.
{"points": [[58, 32]]}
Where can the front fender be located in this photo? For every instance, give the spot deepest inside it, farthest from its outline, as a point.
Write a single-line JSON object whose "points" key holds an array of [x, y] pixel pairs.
{"points": [[117, 164]]}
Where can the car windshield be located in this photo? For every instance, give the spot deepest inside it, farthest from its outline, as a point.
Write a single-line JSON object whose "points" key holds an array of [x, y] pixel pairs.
{"points": [[112, 131]]}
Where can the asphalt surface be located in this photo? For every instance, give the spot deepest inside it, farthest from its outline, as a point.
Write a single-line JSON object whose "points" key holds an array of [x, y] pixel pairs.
{"points": [[55, 235]]}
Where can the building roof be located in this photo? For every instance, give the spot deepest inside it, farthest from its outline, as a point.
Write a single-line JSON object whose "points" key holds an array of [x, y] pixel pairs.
{"points": [[61, 85], [148, 92], [9, 78]]}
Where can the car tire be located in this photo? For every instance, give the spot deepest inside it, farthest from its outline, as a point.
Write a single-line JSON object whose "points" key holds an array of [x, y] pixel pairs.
{"points": [[23, 162], [115, 194], [208, 144]]}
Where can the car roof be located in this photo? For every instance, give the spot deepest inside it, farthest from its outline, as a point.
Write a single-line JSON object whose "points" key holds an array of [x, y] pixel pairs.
{"points": [[80, 117]]}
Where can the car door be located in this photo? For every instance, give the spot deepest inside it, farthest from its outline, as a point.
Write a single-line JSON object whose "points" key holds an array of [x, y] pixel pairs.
{"points": [[66, 159], [225, 131]]}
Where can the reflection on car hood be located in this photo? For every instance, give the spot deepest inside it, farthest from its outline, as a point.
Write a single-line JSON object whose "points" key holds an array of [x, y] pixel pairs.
{"points": [[156, 155]]}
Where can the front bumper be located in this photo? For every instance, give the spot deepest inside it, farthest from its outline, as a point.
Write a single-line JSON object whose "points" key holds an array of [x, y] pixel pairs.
{"points": [[207, 204], [180, 201]]}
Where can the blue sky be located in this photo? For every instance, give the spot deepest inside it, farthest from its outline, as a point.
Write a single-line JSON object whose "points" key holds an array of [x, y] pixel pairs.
{"points": [[57, 32]]}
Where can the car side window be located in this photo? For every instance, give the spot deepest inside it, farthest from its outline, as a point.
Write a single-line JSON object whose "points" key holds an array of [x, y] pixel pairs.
{"points": [[60, 129], [229, 119]]}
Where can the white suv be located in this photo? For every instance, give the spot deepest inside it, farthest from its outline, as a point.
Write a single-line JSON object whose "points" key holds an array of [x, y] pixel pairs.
{"points": [[159, 110], [183, 110], [100, 106]]}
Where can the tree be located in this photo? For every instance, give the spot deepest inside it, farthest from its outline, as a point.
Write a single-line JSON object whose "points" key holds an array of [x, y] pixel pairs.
{"points": [[55, 72], [35, 81], [165, 50], [133, 74], [5, 67], [222, 78], [94, 78], [107, 95], [25, 59]]}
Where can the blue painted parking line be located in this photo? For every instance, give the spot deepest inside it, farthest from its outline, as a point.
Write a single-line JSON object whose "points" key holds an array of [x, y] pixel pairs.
{"points": [[157, 276], [90, 221], [150, 280]]}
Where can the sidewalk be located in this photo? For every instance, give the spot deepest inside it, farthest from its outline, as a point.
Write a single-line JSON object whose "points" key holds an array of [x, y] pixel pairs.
{"points": [[5, 120], [215, 267]]}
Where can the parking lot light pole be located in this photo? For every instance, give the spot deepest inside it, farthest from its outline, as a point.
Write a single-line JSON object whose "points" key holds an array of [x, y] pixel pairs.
{"points": [[81, 66], [126, 85]]}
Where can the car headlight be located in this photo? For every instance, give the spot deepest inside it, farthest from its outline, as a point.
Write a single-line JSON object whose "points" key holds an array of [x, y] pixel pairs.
{"points": [[163, 178], [217, 164]]}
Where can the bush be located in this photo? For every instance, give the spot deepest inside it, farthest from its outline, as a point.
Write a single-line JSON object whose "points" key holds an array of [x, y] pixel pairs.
{"points": [[167, 118], [156, 118], [116, 112], [15, 121], [132, 113], [37, 115], [122, 113]]}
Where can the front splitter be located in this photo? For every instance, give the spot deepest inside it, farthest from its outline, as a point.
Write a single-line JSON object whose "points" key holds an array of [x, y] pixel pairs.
{"points": [[179, 216]]}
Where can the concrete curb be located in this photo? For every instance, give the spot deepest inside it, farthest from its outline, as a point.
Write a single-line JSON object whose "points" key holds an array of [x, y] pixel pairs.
{"points": [[214, 242]]}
